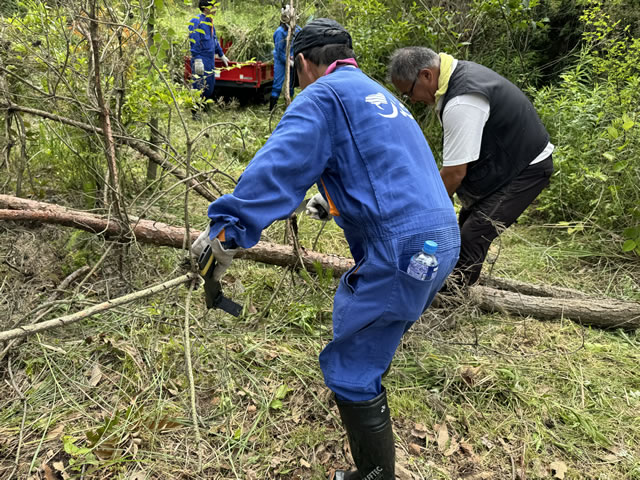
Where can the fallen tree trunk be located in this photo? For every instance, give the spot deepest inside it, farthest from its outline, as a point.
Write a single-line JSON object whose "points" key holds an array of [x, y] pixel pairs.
{"points": [[531, 289], [157, 233], [597, 312], [603, 312]]}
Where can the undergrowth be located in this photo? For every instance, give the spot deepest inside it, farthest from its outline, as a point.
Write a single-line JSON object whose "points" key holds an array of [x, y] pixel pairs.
{"points": [[108, 397]]}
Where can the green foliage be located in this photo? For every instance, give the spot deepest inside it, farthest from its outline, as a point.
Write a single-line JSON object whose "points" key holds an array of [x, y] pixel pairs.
{"points": [[631, 239], [378, 28], [307, 317], [280, 394], [250, 29], [592, 119], [79, 250], [514, 25], [9, 7]]}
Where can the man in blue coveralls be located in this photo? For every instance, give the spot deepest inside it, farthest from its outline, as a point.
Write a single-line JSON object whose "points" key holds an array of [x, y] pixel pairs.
{"points": [[281, 60], [204, 47], [379, 181]]}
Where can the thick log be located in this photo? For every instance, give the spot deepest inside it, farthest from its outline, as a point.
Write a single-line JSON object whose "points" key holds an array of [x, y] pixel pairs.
{"points": [[597, 312], [531, 289], [603, 312], [157, 233]]}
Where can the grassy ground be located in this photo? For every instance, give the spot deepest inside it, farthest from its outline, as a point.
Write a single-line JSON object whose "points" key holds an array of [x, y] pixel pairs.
{"points": [[473, 396]]}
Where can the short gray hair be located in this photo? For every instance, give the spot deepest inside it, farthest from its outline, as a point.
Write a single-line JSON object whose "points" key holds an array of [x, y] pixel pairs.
{"points": [[405, 63]]}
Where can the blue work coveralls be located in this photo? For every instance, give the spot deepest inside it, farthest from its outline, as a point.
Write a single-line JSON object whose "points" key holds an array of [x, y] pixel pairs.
{"points": [[373, 165], [281, 60], [204, 45]]}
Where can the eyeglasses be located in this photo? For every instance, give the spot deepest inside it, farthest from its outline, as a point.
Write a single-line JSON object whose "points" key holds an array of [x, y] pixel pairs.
{"points": [[407, 96]]}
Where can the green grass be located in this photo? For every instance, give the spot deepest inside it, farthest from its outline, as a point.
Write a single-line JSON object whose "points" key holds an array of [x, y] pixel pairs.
{"points": [[520, 392]]}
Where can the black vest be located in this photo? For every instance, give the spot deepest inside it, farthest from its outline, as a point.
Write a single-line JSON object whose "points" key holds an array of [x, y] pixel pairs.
{"points": [[512, 137]]}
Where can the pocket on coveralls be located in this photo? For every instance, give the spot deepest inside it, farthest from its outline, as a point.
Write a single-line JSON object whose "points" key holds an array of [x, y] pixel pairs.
{"points": [[413, 295], [351, 278]]}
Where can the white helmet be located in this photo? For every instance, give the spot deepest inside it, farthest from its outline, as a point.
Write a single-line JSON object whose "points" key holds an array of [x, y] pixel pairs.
{"points": [[285, 14]]}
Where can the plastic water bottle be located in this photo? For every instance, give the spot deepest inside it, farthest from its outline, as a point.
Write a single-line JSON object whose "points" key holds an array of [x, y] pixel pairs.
{"points": [[424, 264]]}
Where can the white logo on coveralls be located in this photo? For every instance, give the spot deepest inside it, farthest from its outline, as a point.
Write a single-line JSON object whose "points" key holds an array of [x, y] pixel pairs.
{"points": [[380, 99]]}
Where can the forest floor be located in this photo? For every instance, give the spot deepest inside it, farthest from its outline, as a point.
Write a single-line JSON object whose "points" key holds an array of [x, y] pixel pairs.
{"points": [[473, 396]]}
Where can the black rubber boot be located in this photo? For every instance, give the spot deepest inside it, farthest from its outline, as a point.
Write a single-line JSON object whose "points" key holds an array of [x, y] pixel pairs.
{"points": [[370, 434], [273, 101]]}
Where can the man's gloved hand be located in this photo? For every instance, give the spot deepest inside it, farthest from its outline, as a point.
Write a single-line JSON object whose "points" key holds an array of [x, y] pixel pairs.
{"points": [[318, 208], [198, 66], [223, 256], [225, 60]]}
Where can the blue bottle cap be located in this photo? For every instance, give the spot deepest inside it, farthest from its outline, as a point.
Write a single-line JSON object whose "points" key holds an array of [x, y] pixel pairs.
{"points": [[430, 247]]}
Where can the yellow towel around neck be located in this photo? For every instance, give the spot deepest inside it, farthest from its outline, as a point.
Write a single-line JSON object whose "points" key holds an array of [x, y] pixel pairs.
{"points": [[446, 67]]}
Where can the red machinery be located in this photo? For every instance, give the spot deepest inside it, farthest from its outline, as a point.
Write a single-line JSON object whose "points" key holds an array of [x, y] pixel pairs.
{"points": [[244, 80]]}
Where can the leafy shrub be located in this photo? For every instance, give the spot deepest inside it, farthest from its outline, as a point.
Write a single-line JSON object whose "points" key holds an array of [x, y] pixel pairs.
{"points": [[592, 118], [378, 29]]}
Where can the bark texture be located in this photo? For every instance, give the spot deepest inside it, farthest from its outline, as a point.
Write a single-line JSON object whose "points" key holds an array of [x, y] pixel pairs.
{"points": [[598, 312], [518, 298]]}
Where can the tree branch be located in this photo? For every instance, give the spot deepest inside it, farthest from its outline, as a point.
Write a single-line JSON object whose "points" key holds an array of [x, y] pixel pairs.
{"points": [[75, 317], [138, 145], [556, 303]]}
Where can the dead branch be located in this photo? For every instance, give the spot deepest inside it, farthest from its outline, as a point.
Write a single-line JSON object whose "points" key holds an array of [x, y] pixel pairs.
{"points": [[139, 145], [46, 307], [86, 313], [105, 119], [287, 69]]}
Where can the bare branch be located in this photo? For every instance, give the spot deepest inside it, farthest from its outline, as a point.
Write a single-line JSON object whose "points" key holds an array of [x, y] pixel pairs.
{"points": [[86, 313], [138, 145]]}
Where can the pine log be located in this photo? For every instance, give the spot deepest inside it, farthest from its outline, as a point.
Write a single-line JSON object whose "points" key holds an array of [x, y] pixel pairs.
{"points": [[531, 289], [157, 233], [553, 303], [598, 312]]}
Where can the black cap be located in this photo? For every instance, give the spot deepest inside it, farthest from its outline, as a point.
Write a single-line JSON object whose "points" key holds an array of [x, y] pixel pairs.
{"points": [[320, 32], [206, 3]]}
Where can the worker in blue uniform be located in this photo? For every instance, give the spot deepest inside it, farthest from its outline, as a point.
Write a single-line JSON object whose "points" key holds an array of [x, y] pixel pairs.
{"points": [[378, 180], [282, 60], [204, 47]]}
